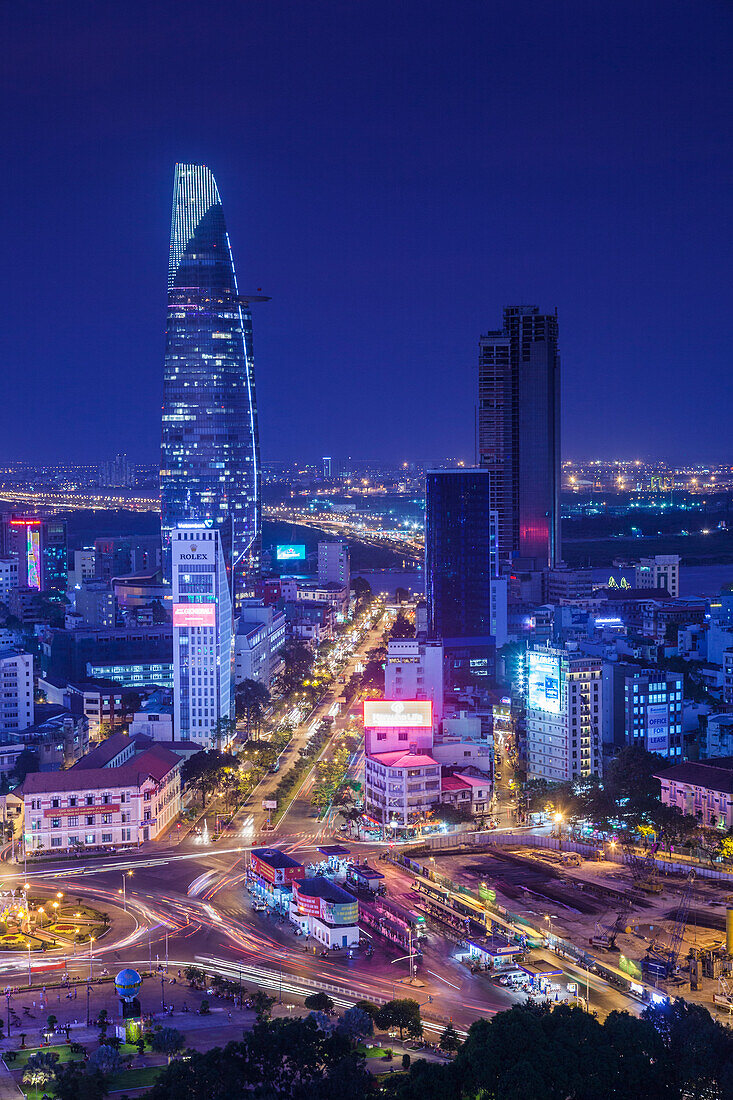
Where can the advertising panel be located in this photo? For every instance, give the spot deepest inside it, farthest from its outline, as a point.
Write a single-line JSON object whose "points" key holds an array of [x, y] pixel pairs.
{"points": [[203, 550], [345, 912], [398, 712], [543, 682], [33, 558], [263, 870], [307, 905], [657, 727], [194, 614], [292, 551]]}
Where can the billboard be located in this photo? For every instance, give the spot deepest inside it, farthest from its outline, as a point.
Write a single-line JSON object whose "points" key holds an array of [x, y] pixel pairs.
{"points": [[657, 727], [543, 682], [398, 712], [292, 551], [33, 558], [194, 614]]}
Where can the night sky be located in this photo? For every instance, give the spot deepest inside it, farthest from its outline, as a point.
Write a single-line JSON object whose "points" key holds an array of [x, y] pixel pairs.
{"points": [[393, 173]]}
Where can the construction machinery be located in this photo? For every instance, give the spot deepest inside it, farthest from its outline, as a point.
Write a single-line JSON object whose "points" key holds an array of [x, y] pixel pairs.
{"points": [[643, 869], [605, 935], [663, 952]]}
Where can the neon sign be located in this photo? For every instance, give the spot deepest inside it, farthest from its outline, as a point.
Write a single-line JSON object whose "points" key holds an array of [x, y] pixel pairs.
{"points": [[33, 558]]}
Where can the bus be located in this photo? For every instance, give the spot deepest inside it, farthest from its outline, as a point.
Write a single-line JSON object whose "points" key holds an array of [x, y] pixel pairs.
{"points": [[411, 920]]}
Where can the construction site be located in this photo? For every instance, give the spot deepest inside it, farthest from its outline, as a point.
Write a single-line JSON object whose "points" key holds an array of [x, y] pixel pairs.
{"points": [[671, 930]]}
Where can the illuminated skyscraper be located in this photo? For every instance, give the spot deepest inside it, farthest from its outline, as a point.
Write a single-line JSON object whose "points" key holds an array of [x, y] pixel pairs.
{"points": [[210, 461], [519, 433]]}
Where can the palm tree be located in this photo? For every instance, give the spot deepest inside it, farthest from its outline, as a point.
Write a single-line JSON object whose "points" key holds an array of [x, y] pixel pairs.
{"points": [[40, 1069]]}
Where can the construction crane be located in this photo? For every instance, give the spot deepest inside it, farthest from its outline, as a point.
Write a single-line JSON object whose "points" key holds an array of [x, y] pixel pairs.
{"points": [[643, 868], [661, 956]]}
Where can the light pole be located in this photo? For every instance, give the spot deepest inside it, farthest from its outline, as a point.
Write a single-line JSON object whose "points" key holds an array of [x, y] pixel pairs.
{"points": [[91, 956], [29, 964]]}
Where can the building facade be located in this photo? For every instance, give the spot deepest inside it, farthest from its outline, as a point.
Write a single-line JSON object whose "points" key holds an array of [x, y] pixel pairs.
{"points": [[703, 791], [334, 563], [16, 690], [466, 596], [203, 650], [519, 432], [210, 463], [653, 711], [661, 571], [564, 714]]}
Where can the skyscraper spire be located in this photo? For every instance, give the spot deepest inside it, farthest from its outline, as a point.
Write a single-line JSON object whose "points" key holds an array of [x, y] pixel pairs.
{"points": [[210, 462]]}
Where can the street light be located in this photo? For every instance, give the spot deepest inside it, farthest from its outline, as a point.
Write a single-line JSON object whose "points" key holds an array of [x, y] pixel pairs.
{"points": [[91, 956]]}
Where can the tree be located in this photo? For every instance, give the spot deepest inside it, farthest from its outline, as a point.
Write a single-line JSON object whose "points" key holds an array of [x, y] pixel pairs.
{"points": [[362, 592], [357, 1023], [368, 1007], [75, 1081], [320, 1002], [373, 675], [169, 1040], [195, 976], [103, 1021], [449, 1040], [262, 1003], [40, 1069], [401, 595], [205, 770], [451, 815], [278, 1059], [104, 731], [105, 1060], [297, 662], [251, 698], [402, 1013], [402, 627]]}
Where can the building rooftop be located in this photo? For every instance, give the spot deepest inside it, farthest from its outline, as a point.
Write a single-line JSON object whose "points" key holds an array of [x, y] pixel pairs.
{"points": [[276, 859], [155, 763], [402, 758], [320, 887], [715, 774]]}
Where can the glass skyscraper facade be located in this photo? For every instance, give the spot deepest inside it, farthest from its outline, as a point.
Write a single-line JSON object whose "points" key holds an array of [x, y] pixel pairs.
{"points": [[210, 462]]}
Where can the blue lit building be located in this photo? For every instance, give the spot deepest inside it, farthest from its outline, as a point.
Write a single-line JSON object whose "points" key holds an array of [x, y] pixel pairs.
{"points": [[210, 462]]}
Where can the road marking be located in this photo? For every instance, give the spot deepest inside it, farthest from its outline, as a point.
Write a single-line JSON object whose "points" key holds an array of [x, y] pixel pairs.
{"points": [[441, 979]]}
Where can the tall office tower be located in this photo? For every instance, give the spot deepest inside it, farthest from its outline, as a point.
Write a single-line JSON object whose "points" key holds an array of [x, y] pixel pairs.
{"points": [[210, 463], [519, 432], [203, 689], [465, 595]]}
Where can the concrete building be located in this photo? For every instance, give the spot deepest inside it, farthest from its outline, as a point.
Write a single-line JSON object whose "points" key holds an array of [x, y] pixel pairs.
{"points": [[100, 701], [155, 717], [703, 791], [414, 670], [400, 787], [261, 634], [16, 690], [311, 620], [326, 911], [8, 578], [334, 563], [718, 736], [121, 794], [564, 585], [203, 645], [134, 675], [68, 653], [661, 571], [466, 792], [83, 568], [95, 604], [642, 706], [564, 714]]}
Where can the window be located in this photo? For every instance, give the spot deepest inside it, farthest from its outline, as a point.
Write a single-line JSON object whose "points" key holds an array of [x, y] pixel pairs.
{"points": [[55, 822], [73, 822], [89, 838], [147, 815], [106, 819], [55, 841], [90, 819], [72, 800], [55, 803], [106, 838], [90, 800]]}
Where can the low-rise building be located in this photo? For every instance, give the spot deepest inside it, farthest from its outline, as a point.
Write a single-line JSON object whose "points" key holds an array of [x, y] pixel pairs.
{"points": [[661, 571], [155, 717], [272, 874], [118, 796], [703, 791], [400, 787], [99, 701], [261, 633], [311, 620], [466, 792], [325, 911], [718, 736]]}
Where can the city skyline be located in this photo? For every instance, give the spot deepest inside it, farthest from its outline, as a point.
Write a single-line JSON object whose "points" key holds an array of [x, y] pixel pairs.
{"points": [[387, 249]]}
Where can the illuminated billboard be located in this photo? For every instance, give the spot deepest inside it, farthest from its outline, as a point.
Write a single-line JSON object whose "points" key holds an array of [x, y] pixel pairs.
{"points": [[33, 558], [657, 727], [194, 614], [543, 682], [292, 551], [383, 713]]}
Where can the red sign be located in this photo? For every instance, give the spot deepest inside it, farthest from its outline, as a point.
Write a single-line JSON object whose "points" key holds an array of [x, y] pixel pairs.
{"points": [[309, 906], [81, 811], [194, 614]]}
